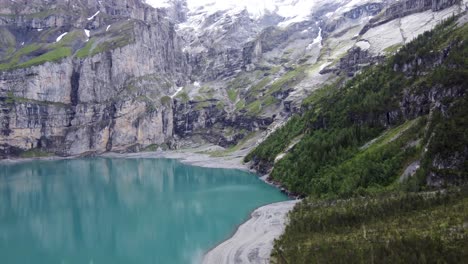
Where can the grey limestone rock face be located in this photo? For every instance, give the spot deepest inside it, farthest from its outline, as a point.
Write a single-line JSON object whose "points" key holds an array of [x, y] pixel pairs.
{"points": [[213, 123], [109, 101], [404, 8], [120, 62]]}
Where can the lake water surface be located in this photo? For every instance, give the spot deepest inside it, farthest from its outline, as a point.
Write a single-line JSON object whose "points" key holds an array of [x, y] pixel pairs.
{"points": [[105, 210]]}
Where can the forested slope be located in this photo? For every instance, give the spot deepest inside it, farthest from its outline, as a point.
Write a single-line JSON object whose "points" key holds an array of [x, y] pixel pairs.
{"points": [[381, 160], [359, 137]]}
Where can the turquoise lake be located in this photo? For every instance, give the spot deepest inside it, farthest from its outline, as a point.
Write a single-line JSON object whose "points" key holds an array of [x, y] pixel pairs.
{"points": [[105, 210]]}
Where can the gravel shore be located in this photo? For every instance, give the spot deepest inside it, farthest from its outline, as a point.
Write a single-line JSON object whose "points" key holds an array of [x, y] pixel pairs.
{"points": [[253, 240]]}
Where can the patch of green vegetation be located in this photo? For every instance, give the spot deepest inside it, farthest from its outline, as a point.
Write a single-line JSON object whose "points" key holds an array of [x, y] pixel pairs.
{"points": [[203, 104], [313, 100], [35, 153], [110, 45], [166, 100], [183, 96], [254, 108], [150, 107], [12, 61], [258, 87], [261, 95], [67, 40], [274, 70], [239, 82], [7, 15], [220, 105], [288, 80], [270, 100], [10, 99], [277, 141], [50, 56], [10, 51], [398, 228], [205, 93], [95, 45], [392, 49], [199, 98], [155, 147], [230, 150], [86, 50], [240, 105], [7, 40], [232, 94]]}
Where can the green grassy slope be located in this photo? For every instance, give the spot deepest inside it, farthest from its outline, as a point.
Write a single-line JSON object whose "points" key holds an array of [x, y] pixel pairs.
{"points": [[42, 48]]}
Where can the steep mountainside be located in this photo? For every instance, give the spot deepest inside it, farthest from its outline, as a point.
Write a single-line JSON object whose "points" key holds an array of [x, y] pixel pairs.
{"points": [[81, 77], [381, 160]]}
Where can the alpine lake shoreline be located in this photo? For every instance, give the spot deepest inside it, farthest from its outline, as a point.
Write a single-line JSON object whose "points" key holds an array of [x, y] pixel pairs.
{"points": [[273, 216]]}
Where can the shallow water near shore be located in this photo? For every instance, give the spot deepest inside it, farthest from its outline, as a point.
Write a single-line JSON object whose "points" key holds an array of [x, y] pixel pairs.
{"points": [[113, 210]]}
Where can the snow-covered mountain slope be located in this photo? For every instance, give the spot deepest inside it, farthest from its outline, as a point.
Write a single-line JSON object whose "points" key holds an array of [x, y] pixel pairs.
{"points": [[225, 38], [290, 11]]}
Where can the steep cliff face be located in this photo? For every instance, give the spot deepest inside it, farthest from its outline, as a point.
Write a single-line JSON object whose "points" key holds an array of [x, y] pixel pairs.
{"points": [[119, 75], [408, 7], [64, 13], [104, 96], [213, 123]]}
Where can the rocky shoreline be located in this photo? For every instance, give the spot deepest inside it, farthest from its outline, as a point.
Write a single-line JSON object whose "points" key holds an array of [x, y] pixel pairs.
{"points": [[253, 240]]}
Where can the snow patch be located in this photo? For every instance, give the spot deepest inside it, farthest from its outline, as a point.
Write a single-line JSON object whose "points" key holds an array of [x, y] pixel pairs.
{"points": [[107, 29], [317, 40], [364, 45], [60, 37], [159, 3], [177, 92], [196, 84], [86, 32], [292, 11], [40, 29], [93, 16]]}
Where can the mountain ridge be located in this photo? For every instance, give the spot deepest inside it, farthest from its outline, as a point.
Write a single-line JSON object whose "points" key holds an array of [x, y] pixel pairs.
{"points": [[128, 77]]}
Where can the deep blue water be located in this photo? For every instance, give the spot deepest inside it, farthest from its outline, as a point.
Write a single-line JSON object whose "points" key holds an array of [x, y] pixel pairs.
{"points": [[104, 210]]}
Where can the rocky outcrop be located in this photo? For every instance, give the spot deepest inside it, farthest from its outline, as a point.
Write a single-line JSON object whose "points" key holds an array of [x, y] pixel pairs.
{"points": [[110, 101], [370, 9], [408, 7], [209, 120], [444, 169], [61, 13], [221, 47], [356, 59], [111, 83]]}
